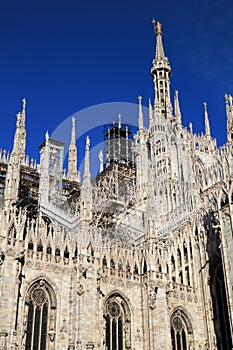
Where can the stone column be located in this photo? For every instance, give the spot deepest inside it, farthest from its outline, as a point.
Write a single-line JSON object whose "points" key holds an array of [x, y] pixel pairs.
{"points": [[14, 344], [3, 340]]}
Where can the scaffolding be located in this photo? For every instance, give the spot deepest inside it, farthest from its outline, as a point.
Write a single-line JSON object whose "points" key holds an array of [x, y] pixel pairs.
{"points": [[114, 187], [118, 144]]}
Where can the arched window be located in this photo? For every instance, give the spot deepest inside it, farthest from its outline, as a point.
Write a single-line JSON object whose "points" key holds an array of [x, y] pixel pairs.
{"points": [[66, 253], [145, 267], [40, 247], [224, 199], [30, 245], [57, 252], [104, 263], [40, 305], [49, 249], [180, 331], [117, 323]]}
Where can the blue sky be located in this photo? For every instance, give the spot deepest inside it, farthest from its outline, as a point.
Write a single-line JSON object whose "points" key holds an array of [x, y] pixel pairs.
{"points": [[64, 56]]}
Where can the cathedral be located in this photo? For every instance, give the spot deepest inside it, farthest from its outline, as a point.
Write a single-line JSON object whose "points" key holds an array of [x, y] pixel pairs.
{"points": [[138, 258]]}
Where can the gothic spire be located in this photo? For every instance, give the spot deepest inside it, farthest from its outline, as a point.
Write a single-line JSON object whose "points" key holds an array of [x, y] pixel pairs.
{"points": [[101, 167], [86, 190], [20, 133], [23, 113], [207, 123], [87, 173], [159, 54], [72, 160], [161, 72], [16, 159], [140, 114], [229, 111], [150, 114], [177, 108], [119, 121]]}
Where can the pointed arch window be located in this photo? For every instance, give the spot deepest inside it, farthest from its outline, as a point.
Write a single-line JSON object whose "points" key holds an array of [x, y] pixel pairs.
{"points": [[49, 249], [40, 316], [117, 323], [30, 245], [180, 331], [66, 253], [145, 267], [40, 247]]}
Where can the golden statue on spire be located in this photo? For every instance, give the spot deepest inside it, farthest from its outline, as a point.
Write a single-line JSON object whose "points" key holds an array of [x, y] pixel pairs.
{"points": [[158, 26]]}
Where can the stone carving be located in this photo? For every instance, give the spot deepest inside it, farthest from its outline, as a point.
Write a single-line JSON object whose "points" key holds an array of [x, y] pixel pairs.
{"points": [[51, 334], [79, 344], [138, 336], [71, 345], [153, 297], [63, 330], [3, 339], [90, 345], [80, 289]]}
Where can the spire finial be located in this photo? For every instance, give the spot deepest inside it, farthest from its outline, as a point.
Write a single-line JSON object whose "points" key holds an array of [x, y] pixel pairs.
{"points": [[86, 191], [47, 136], [87, 174], [207, 123], [150, 114], [177, 107], [161, 72], [23, 113], [226, 98], [73, 121], [72, 160], [230, 100], [157, 27], [119, 121], [20, 133], [140, 114], [73, 134], [101, 161], [229, 111], [191, 127], [159, 45], [87, 143], [24, 105]]}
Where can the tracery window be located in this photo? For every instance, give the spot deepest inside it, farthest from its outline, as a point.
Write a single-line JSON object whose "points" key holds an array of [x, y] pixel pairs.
{"points": [[40, 308], [37, 321], [180, 331], [117, 323]]}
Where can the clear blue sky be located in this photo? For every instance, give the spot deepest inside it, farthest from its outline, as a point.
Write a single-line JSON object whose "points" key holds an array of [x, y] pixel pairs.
{"points": [[67, 55]]}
